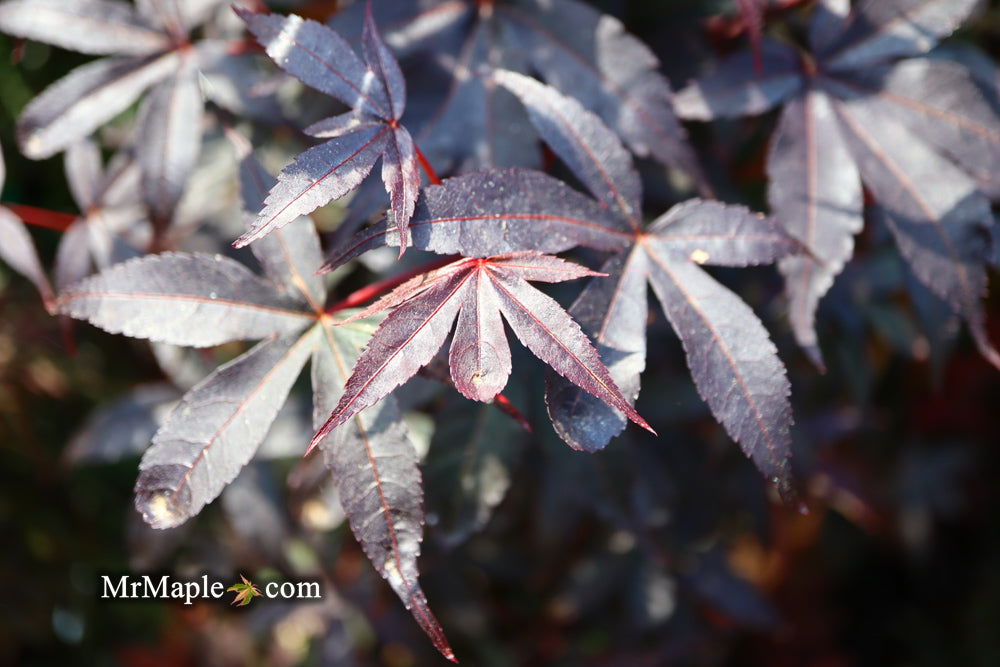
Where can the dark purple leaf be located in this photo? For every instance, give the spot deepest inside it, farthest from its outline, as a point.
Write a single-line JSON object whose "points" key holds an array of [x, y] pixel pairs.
{"points": [[613, 311], [735, 88], [732, 359], [580, 138], [578, 50], [170, 131], [815, 193], [879, 30], [590, 56], [88, 26], [895, 123], [322, 173], [941, 104], [375, 470], [710, 232], [321, 58], [184, 299], [727, 346], [381, 61], [944, 231], [493, 212], [215, 430], [290, 258]]}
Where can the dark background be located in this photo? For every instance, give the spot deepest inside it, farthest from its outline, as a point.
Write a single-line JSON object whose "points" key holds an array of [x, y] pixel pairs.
{"points": [[656, 551]]}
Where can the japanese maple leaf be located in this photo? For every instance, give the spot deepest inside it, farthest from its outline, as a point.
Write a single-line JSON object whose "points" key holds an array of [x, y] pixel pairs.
{"points": [[150, 46], [18, 250], [245, 592], [375, 91], [733, 362], [453, 47], [198, 300], [865, 107], [476, 292]]}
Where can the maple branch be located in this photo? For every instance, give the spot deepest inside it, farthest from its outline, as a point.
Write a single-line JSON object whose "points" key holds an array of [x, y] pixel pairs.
{"points": [[42, 217], [369, 292], [426, 166]]}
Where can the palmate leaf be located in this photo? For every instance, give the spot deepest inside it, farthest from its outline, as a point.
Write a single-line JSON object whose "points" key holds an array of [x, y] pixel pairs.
{"points": [[198, 300], [733, 361], [937, 140], [455, 47], [374, 89], [476, 291], [148, 47]]}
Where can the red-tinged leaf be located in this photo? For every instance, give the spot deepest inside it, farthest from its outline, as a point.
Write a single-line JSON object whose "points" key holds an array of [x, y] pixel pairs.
{"points": [[815, 193], [89, 26], [407, 339], [89, 96], [215, 430], [375, 469], [480, 355], [943, 231], [183, 299], [170, 127], [319, 175], [494, 212], [543, 327], [401, 176], [414, 331], [879, 30], [734, 88], [18, 251], [734, 364]]}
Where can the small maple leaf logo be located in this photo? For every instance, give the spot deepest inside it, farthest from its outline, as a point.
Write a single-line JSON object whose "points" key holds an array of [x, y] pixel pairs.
{"points": [[245, 592]]}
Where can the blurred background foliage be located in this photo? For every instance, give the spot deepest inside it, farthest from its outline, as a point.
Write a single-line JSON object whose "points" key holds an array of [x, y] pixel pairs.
{"points": [[653, 552]]}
